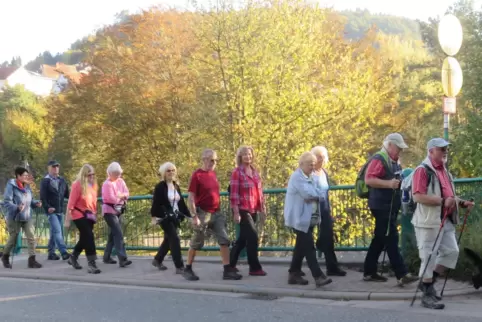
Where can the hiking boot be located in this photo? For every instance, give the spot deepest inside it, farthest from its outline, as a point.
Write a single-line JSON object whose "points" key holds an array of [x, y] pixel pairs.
{"points": [[159, 265], [231, 274], [92, 268], [430, 291], [124, 262], [296, 279], [407, 279], [6, 261], [72, 261], [322, 281], [53, 257], [190, 275], [259, 272], [109, 261], [65, 256], [336, 272], [429, 302], [300, 273], [375, 278], [32, 263], [180, 270]]}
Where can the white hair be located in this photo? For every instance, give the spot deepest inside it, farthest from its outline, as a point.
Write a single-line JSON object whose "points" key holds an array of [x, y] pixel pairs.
{"points": [[385, 144], [114, 167], [320, 150], [164, 167], [208, 152], [306, 157]]}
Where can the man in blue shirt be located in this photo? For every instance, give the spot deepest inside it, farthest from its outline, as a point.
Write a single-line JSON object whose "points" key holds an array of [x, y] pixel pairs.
{"points": [[53, 191]]}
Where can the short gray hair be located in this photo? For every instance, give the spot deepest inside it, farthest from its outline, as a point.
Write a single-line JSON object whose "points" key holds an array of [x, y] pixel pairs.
{"points": [[208, 152], [114, 167], [307, 156]]}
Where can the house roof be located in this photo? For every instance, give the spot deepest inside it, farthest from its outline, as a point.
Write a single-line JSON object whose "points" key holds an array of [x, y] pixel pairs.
{"points": [[69, 71], [5, 72]]}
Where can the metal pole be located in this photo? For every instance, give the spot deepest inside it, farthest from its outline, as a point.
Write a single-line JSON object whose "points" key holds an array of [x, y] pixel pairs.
{"points": [[446, 126]]}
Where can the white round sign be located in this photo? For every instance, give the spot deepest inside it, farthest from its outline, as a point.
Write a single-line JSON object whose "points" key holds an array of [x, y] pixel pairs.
{"points": [[450, 34], [452, 77]]}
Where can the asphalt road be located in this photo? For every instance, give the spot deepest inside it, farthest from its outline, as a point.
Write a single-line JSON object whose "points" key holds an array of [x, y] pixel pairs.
{"points": [[29, 300]]}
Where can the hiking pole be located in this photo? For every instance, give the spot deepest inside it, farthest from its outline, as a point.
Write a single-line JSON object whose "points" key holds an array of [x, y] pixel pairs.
{"points": [[397, 176], [458, 243], [430, 256]]}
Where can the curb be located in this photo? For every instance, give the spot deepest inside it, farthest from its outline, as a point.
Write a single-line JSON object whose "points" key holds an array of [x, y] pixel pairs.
{"points": [[245, 289]]}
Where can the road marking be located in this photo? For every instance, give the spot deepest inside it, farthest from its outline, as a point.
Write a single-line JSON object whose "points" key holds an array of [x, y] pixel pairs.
{"points": [[24, 297]]}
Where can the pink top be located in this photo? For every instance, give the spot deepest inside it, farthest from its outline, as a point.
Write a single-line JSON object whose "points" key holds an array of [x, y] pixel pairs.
{"points": [[110, 194], [76, 200]]}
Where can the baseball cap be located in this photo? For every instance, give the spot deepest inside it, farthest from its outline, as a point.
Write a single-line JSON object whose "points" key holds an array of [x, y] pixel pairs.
{"points": [[52, 163], [437, 143], [397, 139]]}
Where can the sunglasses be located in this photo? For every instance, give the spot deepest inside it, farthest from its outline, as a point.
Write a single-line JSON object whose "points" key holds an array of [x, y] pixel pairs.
{"points": [[91, 175], [444, 149], [55, 166], [214, 160], [171, 170]]}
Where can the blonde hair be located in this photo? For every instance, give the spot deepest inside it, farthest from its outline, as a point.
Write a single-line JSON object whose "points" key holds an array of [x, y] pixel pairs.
{"points": [[164, 167], [83, 178], [114, 167], [239, 155], [305, 157]]}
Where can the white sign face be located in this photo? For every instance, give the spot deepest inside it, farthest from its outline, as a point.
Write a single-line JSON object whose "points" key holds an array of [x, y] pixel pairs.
{"points": [[449, 105], [452, 77], [450, 34]]}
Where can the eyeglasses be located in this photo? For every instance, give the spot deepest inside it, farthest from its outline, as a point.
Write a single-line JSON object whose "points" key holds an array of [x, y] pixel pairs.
{"points": [[55, 166], [91, 175], [214, 160], [444, 149], [171, 170]]}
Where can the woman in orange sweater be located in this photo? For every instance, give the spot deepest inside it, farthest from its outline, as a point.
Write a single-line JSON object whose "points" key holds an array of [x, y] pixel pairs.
{"points": [[82, 209]]}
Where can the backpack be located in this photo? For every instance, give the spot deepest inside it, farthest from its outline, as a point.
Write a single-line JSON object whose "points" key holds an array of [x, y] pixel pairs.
{"points": [[408, 205], [361, 189]]}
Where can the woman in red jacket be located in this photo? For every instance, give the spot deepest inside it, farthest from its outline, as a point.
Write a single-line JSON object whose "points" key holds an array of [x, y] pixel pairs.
{"points": [[247, 204], [82, 209]]}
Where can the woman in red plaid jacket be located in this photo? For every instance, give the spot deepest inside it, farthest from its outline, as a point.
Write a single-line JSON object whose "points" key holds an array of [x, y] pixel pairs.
{"points": [[248, 206]]}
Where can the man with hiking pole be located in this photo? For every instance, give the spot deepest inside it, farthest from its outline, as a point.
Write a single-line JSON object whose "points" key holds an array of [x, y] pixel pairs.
{"points": [[384, 202], [435, 217]]}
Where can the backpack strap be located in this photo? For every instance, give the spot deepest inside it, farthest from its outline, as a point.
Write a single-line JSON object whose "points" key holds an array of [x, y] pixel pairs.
{"points": [[383, 157]]}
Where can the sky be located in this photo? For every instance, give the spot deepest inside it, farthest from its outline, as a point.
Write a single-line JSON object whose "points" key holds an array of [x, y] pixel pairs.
{"points": [[29, 27]]}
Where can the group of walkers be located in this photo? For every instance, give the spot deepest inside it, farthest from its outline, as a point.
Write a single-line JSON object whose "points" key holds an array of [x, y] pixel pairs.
{"points": [[307, 205]]}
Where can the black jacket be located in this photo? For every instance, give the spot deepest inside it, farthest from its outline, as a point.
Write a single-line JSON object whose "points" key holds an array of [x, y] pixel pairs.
{"points": [[53, 196], [161, 206]]}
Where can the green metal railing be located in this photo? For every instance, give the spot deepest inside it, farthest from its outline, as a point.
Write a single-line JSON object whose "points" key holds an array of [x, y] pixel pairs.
{"points": [[353, 223]]}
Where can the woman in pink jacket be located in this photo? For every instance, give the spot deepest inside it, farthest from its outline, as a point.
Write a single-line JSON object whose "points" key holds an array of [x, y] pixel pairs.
{"points": [[114, 199]]}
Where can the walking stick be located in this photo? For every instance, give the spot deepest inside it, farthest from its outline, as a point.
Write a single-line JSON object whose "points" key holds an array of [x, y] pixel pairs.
{"points": [[397, 176], [430, 257], [458, 243]]}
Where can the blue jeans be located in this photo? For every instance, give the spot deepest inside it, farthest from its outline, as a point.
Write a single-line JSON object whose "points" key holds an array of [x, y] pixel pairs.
{"points": [[56, 234]]}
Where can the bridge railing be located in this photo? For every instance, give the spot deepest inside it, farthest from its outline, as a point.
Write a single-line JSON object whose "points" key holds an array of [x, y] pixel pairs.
{"points": [[353, 224]]}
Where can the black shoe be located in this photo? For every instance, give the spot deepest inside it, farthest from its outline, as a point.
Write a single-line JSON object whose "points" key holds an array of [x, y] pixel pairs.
{"points": [[296, 279], [180, 270], [159, 265], [6, 261], [322, 281], [32, 263], [53, 257], [124, 262], [189, 275], [231, 274], [92, 268], [336, 272], [109, 261], [430, 302], [429, 291], [300, 273], [65, 256], [374, 278], [72, 261]]}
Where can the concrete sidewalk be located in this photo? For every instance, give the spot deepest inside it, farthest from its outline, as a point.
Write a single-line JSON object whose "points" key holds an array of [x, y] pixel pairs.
{"points": [[142, 273]]}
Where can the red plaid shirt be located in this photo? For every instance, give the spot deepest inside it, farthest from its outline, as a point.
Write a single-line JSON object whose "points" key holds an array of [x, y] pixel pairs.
{"points": [[246, 192]]}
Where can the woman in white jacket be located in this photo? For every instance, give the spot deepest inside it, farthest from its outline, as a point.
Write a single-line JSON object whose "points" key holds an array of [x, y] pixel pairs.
{"points": [[302, 215]]}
